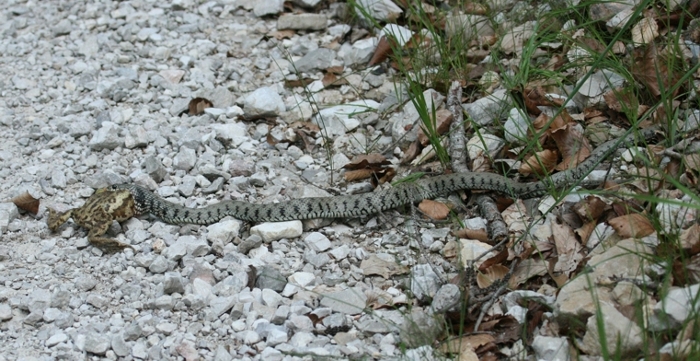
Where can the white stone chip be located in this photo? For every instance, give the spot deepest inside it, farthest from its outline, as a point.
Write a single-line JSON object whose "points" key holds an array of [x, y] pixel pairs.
{"points": [[274, 231]]}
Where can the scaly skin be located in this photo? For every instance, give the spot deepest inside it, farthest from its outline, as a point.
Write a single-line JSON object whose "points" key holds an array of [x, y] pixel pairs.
{"points": [[351, 206]]}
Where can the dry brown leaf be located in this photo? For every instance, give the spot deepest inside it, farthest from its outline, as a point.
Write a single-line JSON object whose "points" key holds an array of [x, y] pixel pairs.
{"points": [[673, 167], [690, 239], [379, 306], [590, 208], [329, 79], [560, 280], [584, 232], [505, 328], [683, 14], [622, 208], [420, 43], [688, 331], [536, 96], [568, 249], [381, 53], [532, 99], [623, 100], [378, 299], [489, 352], [615, 98], [681, 350], [358, 174], [412, 152], [690, 179], [634, 225], [694, 34], [375, 164], [474, 8], [271, 140], [466, 343], [619, 48], [473, 250], [645, 31], [594, 45], [386, 175], [642, 109], [26, 202], [596, 120], [306, 132], [478, 234], [197, 106], [647, 177], [562, 120], [481, 164], [402, 63], [296, 83], [476, 71], [572, 145], [366, 160], [687, 271], [314, 318], [610, 186], [652, 70], [434, 209], [387, 302], [541, 163], [443, 119], [451, 250], [468, 355], [499, 258], [332, 80], [692, 161], [568, 217], [377, 266], [337, 70], [476, 55], [491, 275], [592, 113], [661, 112], [541, 122], [527, 269], [556, 62], [516, 216]]}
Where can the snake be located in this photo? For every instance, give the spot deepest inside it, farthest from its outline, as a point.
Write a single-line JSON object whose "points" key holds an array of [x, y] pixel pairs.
{"points": [[367, 204]]}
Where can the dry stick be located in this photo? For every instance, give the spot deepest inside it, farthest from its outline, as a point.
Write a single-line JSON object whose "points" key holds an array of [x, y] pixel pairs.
{"points": [[497, 229], [458, 145], [494, 296]]}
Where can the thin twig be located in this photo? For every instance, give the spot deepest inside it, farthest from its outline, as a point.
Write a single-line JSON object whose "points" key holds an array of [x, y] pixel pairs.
{"points": [[492, 297]]}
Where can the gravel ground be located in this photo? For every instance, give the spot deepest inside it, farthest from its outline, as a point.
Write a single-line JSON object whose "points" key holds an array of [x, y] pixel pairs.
{"points": [[93, 94], [97, 92]]}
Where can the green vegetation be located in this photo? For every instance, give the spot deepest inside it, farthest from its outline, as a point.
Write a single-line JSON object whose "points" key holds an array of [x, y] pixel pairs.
{"points": [[647, 75]]}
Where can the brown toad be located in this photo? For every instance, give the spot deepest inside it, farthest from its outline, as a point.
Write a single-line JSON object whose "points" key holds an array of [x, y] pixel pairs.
{"points": [[97, 215]]}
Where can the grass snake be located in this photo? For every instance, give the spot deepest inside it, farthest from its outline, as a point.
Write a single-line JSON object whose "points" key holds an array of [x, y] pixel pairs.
{"points": [[358, 205]]}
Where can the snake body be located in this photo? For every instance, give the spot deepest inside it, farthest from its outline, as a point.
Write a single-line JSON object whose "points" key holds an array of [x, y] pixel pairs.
{"points": [[358, 205]]}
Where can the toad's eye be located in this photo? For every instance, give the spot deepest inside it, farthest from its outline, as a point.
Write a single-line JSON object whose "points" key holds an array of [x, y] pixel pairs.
{"points": [[120, 186]]}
